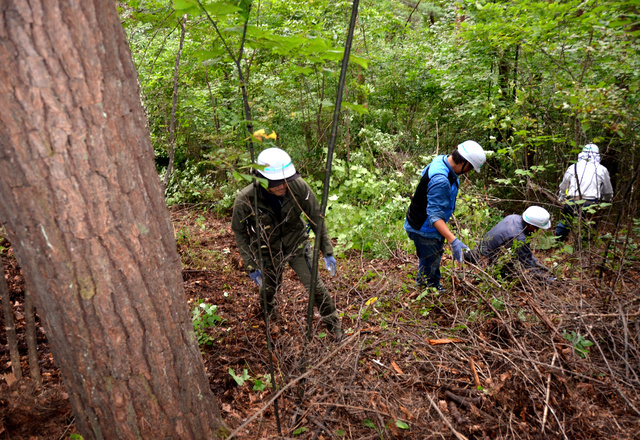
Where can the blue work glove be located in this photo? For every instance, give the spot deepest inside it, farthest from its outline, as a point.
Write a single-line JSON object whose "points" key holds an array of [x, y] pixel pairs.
{"points": [[256, 277], [331, 262], [456, 249]]}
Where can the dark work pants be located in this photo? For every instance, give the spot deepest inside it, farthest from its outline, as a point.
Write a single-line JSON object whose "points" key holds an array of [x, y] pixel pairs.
{"points": [[569, 212], [429, 252], [300, 261]]}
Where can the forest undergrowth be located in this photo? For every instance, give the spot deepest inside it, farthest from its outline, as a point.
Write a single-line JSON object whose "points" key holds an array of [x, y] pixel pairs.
{"points": [[487, 359]]}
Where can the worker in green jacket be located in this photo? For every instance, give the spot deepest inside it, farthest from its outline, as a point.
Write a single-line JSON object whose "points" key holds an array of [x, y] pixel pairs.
{"points": [[283, 233]]}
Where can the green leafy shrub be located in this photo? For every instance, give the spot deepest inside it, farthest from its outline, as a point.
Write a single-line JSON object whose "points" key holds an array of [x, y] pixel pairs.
{"points": [[580, 343], [366, 208], [203, 317], [474, 216]]}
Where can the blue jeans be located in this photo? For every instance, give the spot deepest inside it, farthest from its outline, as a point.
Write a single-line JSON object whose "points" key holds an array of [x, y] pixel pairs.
{"points": [[429, 252]]}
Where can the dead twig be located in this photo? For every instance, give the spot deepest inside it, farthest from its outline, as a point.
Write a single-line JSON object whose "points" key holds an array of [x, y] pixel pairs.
{"points": [[445, 419], [476, 379], [546, 397]]}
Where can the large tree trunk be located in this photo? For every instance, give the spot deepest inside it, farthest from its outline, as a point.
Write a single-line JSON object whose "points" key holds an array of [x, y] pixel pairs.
{"points": [[83, 206]]}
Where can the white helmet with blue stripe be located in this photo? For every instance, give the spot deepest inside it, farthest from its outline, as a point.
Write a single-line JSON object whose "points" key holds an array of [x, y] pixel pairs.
{"points": [[537, 216], [277, 164], [473, 153]]}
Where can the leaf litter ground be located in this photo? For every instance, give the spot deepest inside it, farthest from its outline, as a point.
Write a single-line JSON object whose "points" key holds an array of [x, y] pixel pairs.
{"points": [[484, 361]]}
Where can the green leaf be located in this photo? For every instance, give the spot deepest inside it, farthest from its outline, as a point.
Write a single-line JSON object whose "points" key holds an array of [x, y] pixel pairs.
{"points": [[302, 70], [362, 62], [239, 379], [300, 430], [248, 177], [400, 424], [361, 110], [221, 9], [186, 6], [259, 385], [369, 424], [214, 54]]}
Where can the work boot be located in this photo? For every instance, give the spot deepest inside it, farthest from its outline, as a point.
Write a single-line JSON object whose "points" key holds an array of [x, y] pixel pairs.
{"points": [[333, 327]]}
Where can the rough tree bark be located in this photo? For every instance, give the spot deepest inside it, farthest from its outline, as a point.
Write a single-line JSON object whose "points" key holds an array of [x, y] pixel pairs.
{"points": [[83, 206]]}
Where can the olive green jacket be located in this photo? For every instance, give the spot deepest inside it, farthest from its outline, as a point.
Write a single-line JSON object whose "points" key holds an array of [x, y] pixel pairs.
{"points": [[282, 236]]}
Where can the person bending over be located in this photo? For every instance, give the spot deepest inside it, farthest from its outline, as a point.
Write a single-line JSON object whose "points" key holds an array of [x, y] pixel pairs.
{"points": [[283, 233], [432, 206]]}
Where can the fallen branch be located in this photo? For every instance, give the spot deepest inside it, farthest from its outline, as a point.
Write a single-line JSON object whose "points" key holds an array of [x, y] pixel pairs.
{"points": [[546, 397], [445, 419], [476, 379], [289, 385]]}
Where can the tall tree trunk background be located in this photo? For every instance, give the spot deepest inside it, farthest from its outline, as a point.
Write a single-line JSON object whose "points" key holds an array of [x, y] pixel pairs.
{"points": [[10, 326], [30, 331], [83, 206], [174, 105]]}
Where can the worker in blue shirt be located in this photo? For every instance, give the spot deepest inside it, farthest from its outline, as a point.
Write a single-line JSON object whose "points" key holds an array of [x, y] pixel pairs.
{"points": [[432, 206], [513, 232]]}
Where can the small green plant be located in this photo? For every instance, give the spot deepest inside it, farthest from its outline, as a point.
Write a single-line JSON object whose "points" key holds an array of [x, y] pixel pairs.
{"points": [[239, 378], [203, 317], [76, 437], [369, 424], [497, 303], [300, 430], [580, 343], [258, 384]]}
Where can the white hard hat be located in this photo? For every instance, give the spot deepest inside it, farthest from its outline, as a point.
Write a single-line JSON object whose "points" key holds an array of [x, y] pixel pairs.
{"points": [[537, 216], [277, 164], [473, 153], [591, 148]]}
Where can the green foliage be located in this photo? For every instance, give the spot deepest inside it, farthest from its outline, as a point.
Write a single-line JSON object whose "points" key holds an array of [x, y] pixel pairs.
{"points": [[580, 343], [531, 81], [205, 316], [241, 378], [369, 424], [258, 384], [366, 209], [300, 430], [474, 215]]}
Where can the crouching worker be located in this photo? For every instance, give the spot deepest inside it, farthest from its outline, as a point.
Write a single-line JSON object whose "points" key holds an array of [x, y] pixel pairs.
{"points": [[283, 235], [513, 231]]}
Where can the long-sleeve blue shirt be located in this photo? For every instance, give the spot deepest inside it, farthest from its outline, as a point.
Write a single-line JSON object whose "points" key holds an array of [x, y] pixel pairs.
{"points": [[436, 194], [510, 229]]}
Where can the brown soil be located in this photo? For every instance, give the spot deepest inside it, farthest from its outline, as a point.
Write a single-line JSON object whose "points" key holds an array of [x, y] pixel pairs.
{"points": [[484, 361]]}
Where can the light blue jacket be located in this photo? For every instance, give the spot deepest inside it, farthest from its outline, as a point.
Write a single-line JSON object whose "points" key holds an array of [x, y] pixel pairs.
{"points": [[439, 198]]}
